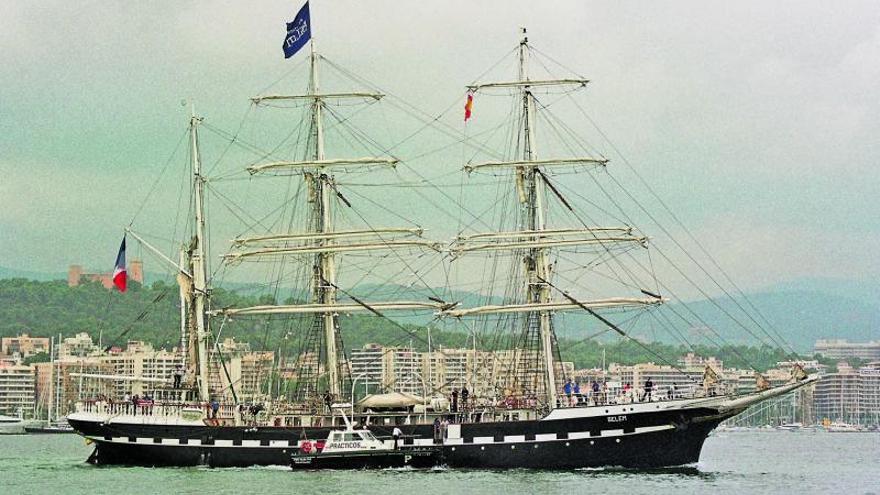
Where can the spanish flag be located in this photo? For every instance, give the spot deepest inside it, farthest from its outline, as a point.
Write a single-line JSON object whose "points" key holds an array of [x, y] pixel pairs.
{"points": [[468, 106]]}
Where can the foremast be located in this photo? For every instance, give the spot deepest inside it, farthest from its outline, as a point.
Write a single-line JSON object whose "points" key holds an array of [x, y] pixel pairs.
{"points": [[198, 261]]}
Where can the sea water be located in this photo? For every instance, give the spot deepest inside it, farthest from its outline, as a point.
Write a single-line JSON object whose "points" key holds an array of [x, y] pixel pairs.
{"points": [[742, 463]]}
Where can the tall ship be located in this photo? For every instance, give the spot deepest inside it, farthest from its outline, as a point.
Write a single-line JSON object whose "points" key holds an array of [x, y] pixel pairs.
{"points": [[530, 420]]}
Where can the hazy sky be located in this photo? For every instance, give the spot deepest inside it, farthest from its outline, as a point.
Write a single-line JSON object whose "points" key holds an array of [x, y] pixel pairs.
{"points": [[757, 121]]}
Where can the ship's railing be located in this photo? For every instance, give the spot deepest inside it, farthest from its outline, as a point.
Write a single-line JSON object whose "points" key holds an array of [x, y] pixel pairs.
{"points": [[632, 396], [196, 410]]}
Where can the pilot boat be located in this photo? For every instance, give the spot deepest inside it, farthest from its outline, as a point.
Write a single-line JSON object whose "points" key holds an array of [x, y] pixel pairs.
{"points": [[352, 448]]}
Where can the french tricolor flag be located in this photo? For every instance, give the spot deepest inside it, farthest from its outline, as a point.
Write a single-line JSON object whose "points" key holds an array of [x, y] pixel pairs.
{"points": [[119, 276]]}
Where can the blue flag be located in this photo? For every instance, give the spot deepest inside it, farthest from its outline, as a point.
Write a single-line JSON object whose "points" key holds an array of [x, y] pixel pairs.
{"points": [[299, 32]]}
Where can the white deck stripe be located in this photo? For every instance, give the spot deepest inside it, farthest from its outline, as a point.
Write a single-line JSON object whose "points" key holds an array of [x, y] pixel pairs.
{"points": [[508, 439]]}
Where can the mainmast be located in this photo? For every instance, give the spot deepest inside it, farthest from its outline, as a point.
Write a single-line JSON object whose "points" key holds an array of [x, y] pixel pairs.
{"points": [[198, 258], [537, 266], [321, 240], [325, 267]]}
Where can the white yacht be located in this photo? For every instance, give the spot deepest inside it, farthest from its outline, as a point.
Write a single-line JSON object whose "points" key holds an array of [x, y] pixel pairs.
{"points": [[11, 425]]}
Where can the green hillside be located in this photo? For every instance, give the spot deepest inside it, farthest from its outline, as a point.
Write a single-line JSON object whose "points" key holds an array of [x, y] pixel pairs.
{"points": [[45, 308]]}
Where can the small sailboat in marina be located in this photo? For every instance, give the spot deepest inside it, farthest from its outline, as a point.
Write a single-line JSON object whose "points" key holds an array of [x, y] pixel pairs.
{"points": [[54, 425], [526, 422]]}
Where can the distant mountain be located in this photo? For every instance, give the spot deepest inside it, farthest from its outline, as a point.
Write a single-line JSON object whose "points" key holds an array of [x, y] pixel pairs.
{"points": [[799, 316], [866, 291], [801, 312]]}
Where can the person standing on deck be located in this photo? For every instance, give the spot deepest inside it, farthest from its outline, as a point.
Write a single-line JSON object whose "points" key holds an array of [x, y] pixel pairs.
{"points": [[454, 400], [328, 401], [396, 434], [464, 398], [178, 376], [649, 385], [567, 390]]}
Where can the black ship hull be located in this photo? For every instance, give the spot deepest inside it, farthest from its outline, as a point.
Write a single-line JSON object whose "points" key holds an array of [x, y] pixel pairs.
{"points": [[635, 439]]}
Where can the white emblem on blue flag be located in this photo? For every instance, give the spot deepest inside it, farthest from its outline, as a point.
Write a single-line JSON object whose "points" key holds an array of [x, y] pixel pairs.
{"points": [[299, 32]]}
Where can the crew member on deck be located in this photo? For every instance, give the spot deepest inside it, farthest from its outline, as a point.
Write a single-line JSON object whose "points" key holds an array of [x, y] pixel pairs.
{"points": [[396, 434], [178, 376], [328, 401], [649, 385], [437, 433]]}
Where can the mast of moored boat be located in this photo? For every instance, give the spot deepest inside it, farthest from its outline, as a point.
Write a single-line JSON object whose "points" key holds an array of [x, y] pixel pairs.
{"points": [[51, 400]]}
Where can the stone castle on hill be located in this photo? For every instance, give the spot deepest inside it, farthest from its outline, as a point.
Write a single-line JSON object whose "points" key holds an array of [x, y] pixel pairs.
{"points": [[76, 274]]}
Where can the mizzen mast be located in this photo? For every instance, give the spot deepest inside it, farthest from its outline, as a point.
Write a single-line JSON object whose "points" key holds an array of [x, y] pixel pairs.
{"points": [[537, 265], [535, 239]]}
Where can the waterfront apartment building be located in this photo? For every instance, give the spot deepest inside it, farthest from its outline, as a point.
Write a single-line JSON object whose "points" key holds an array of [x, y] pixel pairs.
{"points": [[368, 368], [23, 346], [16, 390], [449, 369], [59, 385], [236, 372], [487, 375], [843, 349], [849, 395], [382, 369], [78, 346], [683, 380], [140, 360]]}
